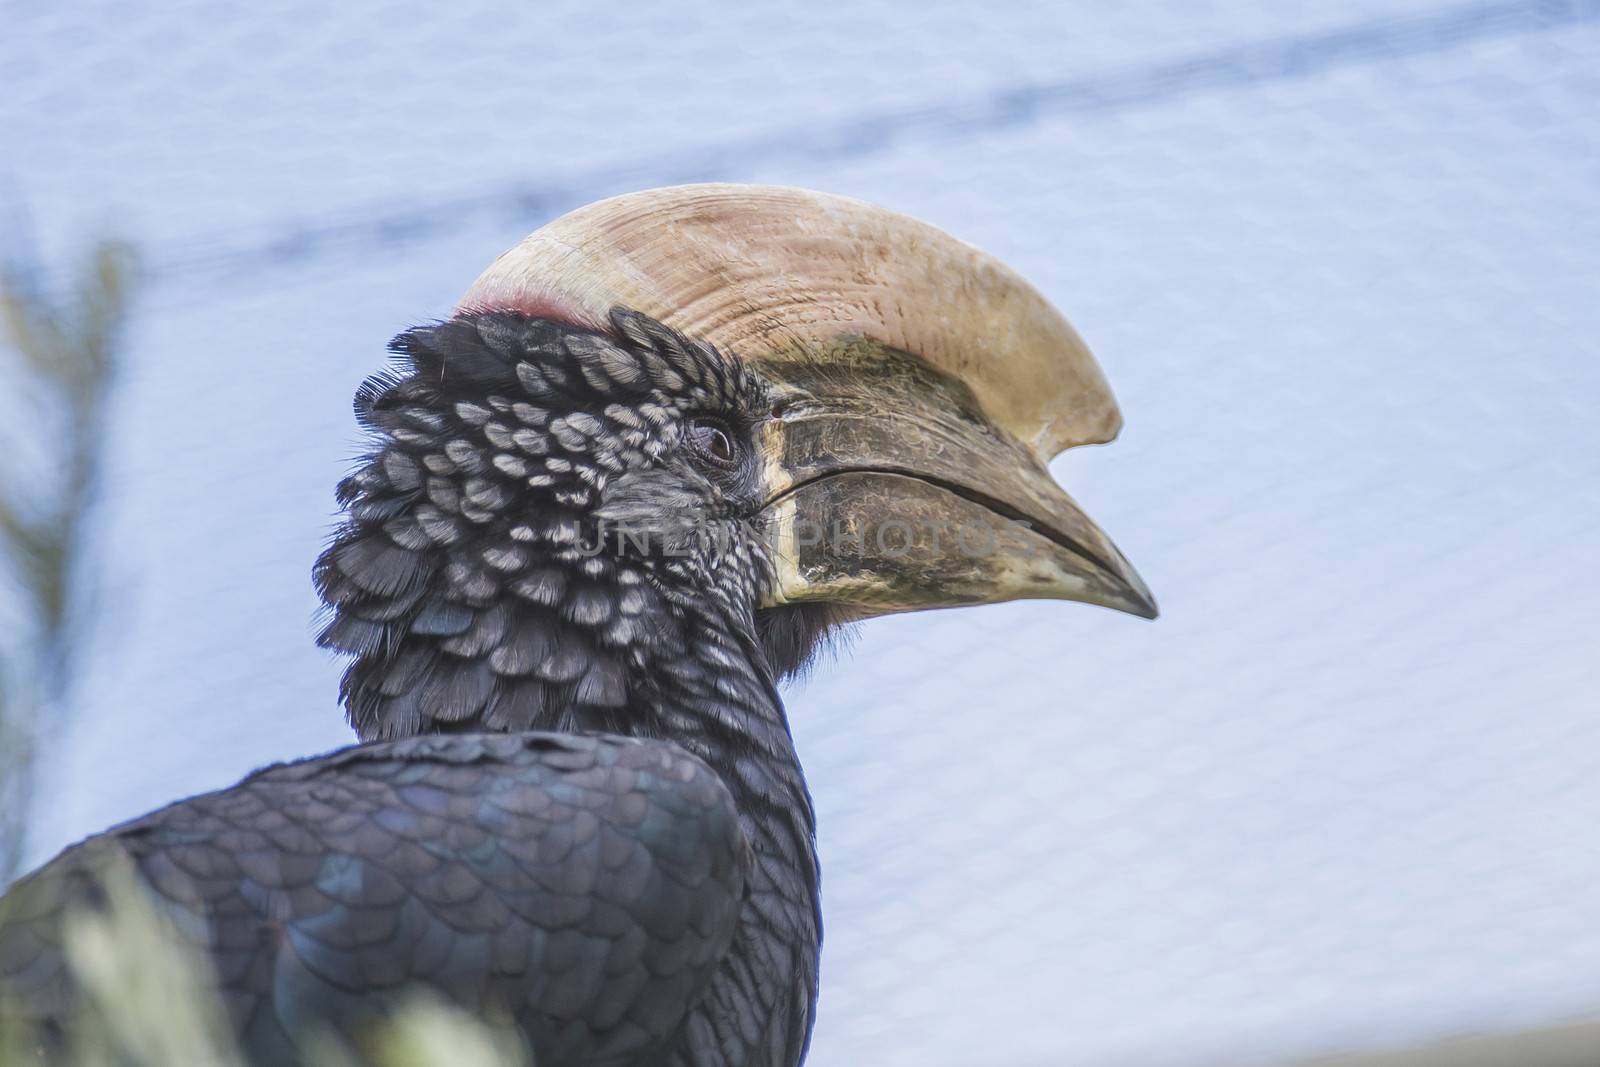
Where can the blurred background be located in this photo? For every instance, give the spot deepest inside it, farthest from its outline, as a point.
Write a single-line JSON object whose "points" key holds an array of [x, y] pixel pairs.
{"points": [[1341, 264]]}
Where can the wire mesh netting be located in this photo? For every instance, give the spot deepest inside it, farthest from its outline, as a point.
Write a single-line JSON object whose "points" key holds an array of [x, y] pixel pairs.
{"points": [[1340, 264]]}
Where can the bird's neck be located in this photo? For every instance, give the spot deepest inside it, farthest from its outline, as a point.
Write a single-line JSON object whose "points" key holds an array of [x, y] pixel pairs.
{"points": [[759, 1008], [700, 678], [715, 696]]}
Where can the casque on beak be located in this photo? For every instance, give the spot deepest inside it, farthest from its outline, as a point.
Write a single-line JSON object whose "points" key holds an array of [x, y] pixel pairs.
{"points": [[923, 387]]}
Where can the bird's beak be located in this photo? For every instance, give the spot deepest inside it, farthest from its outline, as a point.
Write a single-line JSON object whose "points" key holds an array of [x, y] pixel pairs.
{"points": [[889, 490]]}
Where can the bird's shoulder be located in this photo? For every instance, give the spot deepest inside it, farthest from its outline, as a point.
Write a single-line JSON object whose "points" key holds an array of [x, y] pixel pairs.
{"points": [[486, 867], [511, 786]]}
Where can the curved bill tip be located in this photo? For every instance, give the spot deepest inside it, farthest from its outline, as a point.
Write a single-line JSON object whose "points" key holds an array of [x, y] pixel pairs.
{"points": [[1134, 597]]}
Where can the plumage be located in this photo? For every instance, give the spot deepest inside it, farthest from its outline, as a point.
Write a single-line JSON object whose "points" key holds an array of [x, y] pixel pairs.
{"points": [[475, 844]]}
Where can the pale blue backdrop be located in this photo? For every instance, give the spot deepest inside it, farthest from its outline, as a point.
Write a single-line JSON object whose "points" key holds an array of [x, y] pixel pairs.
{"points": [[1342, 265]]}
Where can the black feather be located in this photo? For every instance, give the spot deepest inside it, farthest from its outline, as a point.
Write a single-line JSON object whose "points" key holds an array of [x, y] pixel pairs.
{"points": [[393, 868]]}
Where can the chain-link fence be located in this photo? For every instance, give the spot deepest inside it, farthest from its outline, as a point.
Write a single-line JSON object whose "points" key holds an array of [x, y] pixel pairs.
{"points": [[1340, 263]]}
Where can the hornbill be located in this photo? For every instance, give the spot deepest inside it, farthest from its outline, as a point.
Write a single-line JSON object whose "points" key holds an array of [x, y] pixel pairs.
{"points": [[661, 450]]}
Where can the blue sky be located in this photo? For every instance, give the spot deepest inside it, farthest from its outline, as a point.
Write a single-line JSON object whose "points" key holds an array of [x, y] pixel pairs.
{"points": [[1340, 264]]}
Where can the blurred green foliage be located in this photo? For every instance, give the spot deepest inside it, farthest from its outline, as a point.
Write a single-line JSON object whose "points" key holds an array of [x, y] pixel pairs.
{"points": [[145, 1000], [58, 361]]}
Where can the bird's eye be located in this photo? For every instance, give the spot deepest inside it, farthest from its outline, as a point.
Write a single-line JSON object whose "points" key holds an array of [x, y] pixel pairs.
{"points": [[712, 439]]}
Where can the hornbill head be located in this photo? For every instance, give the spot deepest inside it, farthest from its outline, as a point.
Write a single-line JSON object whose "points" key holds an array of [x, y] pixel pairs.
{"points": [[807, 408]]}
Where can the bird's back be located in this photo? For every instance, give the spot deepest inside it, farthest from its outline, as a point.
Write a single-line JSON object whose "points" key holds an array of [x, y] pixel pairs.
{"points": [[582, 888]]}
